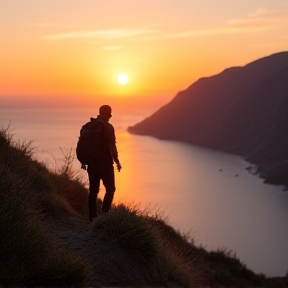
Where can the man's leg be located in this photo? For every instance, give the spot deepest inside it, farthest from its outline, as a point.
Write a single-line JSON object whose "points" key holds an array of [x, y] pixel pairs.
{"points": [[109, 184], [94, 184]]}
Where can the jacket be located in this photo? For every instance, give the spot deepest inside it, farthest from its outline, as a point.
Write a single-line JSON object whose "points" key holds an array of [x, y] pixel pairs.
{"points": [[110, 153]]}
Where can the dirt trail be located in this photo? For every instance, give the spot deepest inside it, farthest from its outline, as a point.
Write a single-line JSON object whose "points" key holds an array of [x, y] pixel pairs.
{"points": [[77, 236]]}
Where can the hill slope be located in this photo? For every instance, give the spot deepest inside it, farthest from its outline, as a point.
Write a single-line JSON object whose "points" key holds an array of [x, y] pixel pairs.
{"points": [[242, 110]]}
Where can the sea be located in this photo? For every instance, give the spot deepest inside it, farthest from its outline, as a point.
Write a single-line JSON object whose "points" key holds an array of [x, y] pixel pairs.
{"points": [[206, 195]]}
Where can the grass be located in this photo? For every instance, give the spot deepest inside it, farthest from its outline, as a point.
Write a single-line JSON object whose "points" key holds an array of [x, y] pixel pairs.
{"points": [[157, 255], [129, 246], [28, 255], [129, 228]]}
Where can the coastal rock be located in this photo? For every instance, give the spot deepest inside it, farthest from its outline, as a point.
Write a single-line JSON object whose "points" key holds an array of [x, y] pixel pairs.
{"points": [[242, 110]]}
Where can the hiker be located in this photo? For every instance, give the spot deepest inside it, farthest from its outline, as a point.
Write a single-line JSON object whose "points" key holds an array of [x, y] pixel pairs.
{"points": [[103, 169]]}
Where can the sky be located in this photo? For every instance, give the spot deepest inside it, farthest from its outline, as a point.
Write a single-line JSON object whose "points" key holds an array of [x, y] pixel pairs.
{"points": [[58, 53]]}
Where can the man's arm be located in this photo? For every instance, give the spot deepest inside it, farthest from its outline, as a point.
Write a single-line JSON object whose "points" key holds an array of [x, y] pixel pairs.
{"points": [[114, 154], [112, 147]]}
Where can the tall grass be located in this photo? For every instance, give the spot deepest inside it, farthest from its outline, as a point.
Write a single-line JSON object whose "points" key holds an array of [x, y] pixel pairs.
{"points": [[126, 224], [28, 256], [69, 186]]}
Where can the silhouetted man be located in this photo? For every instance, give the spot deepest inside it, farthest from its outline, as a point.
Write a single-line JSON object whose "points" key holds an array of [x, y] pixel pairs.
{"points": [[103, 169]]}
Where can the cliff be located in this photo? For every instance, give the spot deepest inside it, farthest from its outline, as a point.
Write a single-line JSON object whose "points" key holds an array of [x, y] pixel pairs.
{"points": [[242, 110]]}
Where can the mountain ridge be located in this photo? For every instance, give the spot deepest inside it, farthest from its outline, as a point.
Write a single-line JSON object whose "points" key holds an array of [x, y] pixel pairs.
{"points": [[241, 110]]}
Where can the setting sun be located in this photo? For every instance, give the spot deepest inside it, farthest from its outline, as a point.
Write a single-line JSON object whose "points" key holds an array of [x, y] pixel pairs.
{"points": [[123, 79]]}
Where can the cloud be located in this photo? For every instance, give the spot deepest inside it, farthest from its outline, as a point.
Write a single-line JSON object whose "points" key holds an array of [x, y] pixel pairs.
{"points": [[54, 24], [260, 20], [261, 12], [99, 34]]}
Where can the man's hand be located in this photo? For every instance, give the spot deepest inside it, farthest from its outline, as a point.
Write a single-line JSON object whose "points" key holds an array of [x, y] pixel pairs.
{"points": [[119, 167]]}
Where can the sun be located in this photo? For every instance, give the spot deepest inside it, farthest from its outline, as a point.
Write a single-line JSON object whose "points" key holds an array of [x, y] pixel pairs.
{"points": [[123, 79]]}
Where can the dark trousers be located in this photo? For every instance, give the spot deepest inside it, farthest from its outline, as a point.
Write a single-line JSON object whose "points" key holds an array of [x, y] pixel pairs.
{"points": [[106, 174]]}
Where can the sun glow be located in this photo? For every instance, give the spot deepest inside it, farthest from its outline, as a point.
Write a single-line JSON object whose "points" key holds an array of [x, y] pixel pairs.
{"points": [[123, 79]]}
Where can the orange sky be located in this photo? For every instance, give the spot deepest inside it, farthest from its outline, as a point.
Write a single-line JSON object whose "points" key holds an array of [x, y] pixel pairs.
{"points": [[70, 53]]}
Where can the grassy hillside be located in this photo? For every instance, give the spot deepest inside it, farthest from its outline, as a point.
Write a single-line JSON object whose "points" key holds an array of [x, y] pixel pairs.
{"points": [[28, 253], [46, 239]]}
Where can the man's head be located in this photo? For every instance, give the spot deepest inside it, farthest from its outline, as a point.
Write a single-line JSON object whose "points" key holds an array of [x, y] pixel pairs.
{"points": [[105, 111]]}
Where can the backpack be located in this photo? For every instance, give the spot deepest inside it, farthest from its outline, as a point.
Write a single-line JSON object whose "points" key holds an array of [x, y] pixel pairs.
{"points": [[89, 147]]}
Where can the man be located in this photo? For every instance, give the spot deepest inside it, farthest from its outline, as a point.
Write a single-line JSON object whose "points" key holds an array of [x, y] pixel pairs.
{"points": [[104, 169]]}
